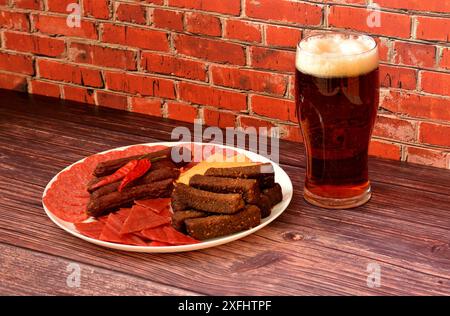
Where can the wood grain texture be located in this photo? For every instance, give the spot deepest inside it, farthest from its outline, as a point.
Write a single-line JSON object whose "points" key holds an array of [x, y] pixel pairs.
{"points": [[308, 250], [25, 272]]}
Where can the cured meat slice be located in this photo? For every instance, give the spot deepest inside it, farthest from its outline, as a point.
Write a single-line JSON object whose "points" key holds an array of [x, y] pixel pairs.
{"points": [[111, 232], [158, 244], [141, 218], [91, 229], [123, 213], [166, 213], [142, 149], [156, 205], [169, 235], [65, 212]]}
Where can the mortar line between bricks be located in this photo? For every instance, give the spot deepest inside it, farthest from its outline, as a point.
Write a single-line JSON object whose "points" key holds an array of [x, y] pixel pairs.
{"points": [[416, 144]]}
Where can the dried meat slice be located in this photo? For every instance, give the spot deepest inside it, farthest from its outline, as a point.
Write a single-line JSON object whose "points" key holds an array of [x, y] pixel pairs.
{"points": [[169, 235], [141, 218], [123, 213], [156, 205], [111, 232], [91, 229], [166, 213], [177, 238], [142, 149], [65, 212], [158, 244]]}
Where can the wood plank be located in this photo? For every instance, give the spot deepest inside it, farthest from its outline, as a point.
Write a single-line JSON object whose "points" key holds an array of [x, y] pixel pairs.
{"points": [[25, 272]]}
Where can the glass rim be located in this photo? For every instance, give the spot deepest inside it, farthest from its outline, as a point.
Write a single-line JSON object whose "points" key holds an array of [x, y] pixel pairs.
{"points": [[304, 51]]}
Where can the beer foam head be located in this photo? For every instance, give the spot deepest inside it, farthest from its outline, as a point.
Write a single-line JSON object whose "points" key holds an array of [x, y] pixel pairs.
{"points": [[337, 55]]}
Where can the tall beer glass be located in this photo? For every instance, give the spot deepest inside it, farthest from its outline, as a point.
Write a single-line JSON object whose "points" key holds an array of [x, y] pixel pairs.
{"points": [[337, 94]]}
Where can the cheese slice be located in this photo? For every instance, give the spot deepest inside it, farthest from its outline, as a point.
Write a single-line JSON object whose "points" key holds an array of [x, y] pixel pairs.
{"points": [[215, 161]]}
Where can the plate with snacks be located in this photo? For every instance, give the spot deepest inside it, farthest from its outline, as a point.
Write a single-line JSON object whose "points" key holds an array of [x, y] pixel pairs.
{"points": [[167, 197]]}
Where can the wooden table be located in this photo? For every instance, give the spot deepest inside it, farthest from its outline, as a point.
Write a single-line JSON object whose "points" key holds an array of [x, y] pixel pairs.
{"points": [[404, 230]]}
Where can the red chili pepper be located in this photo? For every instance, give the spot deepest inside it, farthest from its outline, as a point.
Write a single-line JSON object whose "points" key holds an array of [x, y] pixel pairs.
{"points": [[116, 176], [139, 170]]}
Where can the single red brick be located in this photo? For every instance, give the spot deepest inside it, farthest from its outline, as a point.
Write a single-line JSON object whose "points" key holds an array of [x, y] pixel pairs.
{"points": [[359, 19], [14, 20], [291, 133], [45, 88], [243, 31], [284, 11], [60, 6], [445, 58], [160, 2], [102, 56], [207, 95], [135, 37], [398, 77], [292, 86], [416, 105], [132, 13], [112, 100], [232, 7], [416, 5], [362, 2], [419, 55], [78, 94], [262, 126], [13, 82], [383, 48], [280, 109], [99, 9], [181, 112], [167, 19], [395, 128], [246, 79], [434, 134], [212, 50], [425, 156], [222, 119], [69, 73], [282, 36], [57, 25], [176, 66], [146, 106], [385, 150], [433, 28], [199, 23], [435, 82], [30, 43], [16, 63], [27, 4], [144, 85], [272, 59]]}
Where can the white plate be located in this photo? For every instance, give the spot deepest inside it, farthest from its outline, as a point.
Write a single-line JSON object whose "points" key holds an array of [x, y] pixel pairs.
{"points": [[280, 176]]}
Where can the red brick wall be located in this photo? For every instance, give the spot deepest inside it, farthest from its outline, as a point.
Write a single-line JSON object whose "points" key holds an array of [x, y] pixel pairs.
{"points": [[230, 62]]}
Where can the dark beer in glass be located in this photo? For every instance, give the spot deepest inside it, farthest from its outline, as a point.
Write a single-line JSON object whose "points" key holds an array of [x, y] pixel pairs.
{"points": [[337, 95]]}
